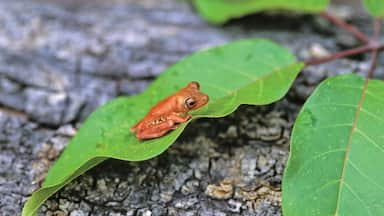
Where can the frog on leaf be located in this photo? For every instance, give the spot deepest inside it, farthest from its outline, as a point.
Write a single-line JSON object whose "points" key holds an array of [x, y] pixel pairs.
{"points": [[170, 112]]}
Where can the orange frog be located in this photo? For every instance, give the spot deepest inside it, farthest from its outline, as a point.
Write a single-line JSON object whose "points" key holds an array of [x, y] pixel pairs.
{"points": [[170, 112]]}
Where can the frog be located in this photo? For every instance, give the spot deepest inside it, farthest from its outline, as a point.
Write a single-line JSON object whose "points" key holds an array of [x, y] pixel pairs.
{"points": [[170, 112]]}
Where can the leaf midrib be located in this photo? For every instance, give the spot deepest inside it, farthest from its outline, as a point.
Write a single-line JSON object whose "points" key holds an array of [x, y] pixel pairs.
{"points": [[348, 147]]}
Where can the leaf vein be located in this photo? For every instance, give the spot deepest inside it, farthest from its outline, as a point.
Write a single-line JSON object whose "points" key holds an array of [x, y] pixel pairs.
{"points": [[334, 126], [373, 115], [374, 96], [364, 135], [365, 175], [357, 197], [318, 156]]}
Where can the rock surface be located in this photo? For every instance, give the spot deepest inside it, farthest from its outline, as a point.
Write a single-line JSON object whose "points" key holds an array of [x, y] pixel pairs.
{"points": [[60, 60]]}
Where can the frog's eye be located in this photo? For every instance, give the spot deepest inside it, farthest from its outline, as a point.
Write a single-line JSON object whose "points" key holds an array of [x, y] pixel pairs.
{"points": [[189, 103]]}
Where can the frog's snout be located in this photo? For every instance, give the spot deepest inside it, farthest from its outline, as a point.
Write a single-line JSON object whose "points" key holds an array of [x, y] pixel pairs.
{"points": [[203, 100]]}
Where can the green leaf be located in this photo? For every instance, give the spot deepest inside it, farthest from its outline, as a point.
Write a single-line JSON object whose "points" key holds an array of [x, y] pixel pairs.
{"points": [[337, 151], [244, 72], [375, 7], [219, 11]]}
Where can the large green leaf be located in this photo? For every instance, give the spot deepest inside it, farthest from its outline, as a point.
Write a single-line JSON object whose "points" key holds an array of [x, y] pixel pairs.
{"points": [[337, 151], [244, 72], [219, 11], [375, 7]]}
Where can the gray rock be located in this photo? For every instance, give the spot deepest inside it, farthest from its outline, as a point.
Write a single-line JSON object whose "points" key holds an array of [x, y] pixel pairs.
{"points": [[19, 141]]}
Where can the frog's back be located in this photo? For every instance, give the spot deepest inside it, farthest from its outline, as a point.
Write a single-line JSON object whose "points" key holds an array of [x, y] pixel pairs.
{"points": [[159, 111], [164, 107]]}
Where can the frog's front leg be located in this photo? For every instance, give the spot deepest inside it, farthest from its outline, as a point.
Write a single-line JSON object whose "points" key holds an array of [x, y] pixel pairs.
{"points": [[178, 119]]}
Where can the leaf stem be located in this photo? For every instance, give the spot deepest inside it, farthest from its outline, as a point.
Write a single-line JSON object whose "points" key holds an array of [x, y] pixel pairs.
{"points": [[375, 51], [344, 25]]}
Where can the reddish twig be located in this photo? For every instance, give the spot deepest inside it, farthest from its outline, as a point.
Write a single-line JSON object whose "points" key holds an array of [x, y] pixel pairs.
{"points": [[375, 51], [372, 45], [348, 27], [341, 54], [373, 64]]}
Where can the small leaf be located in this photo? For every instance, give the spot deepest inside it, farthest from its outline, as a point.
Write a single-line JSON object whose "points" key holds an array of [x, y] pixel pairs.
{"points": [[219, 11], [337, 151], [244, 72], [375, 7]]}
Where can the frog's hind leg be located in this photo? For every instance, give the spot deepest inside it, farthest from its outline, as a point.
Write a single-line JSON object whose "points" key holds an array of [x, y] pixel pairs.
{"points": [[136, 126], [156, 130]]}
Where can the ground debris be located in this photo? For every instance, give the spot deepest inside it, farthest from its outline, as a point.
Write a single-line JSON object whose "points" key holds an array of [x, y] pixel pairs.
{"points": [[222, 191]]}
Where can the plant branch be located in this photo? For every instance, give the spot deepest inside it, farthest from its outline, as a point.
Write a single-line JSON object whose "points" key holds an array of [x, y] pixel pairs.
{"points": [[348, 27], [375, 51], [345, 53], [372, 45]]}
